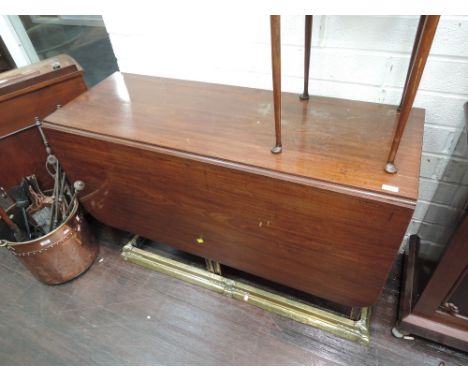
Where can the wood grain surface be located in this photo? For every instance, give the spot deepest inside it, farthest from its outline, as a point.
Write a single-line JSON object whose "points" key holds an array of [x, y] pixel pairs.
{"points": [[36, 90], [26, 93], [156, 157], [417, 63], [294, 234], [336, 141], [23, 154]]}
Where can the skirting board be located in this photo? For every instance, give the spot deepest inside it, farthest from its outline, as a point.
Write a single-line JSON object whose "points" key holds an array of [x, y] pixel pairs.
{"points": [[357, 331]]}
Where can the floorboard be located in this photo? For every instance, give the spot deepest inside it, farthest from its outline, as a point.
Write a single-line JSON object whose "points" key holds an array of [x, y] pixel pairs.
{"points": [[119, 313]]}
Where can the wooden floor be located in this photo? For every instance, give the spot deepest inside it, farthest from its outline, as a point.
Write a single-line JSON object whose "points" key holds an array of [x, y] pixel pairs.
{"points": [[121, 314]]}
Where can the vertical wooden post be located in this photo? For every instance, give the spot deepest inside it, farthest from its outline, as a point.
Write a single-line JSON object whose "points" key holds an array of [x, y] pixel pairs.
{"points": [[413, 54], [422, 52], [275, 27], [307, 44], [355, 313]]}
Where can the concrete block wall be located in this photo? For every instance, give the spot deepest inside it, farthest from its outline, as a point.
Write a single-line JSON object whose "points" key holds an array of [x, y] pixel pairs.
{"points": [[356, 57]]}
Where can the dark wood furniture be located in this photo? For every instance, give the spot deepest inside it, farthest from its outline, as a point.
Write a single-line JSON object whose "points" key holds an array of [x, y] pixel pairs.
{"points": [[188, 164], [421, 48], [437, 309], [27, 93]]}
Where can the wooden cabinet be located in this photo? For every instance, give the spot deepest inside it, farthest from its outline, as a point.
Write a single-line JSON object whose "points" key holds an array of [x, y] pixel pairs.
{"points": [[438, 308], [26, 93], [189, 164], [457, 300]]}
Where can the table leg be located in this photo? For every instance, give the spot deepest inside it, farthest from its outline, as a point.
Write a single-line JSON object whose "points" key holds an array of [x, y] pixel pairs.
{"points": [[355, 313], [422, 52], [307, 44], [417, 38], [276, 71]]}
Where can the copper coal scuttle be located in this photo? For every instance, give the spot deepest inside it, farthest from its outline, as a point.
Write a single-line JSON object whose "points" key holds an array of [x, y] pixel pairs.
{"points": [[46, 230]]}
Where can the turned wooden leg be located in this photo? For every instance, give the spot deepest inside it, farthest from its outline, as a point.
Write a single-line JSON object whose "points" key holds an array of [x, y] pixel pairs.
{"points": [[276, 70], [307, 44], [422, 52], [417, 38]]}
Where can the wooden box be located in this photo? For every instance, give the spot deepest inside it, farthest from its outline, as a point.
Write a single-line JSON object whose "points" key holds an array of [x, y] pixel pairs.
{"points": [[26, 93], [189, 164]]}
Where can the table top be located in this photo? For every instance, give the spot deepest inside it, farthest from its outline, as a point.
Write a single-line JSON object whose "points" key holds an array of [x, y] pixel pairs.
{"points": [[41, 74], [333, 143]]}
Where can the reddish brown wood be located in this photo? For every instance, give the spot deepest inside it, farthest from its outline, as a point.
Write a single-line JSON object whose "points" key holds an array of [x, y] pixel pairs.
{"points": [[23, 154], [417, 39], [423, 41], [436, 331], [38, 103], [450, 268], [307, 46], [422, 52], [459, 295], [176, 160], [276, 73], [36, 90], [26, 93], [335, 141], [310, 239], [421, 313]]}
